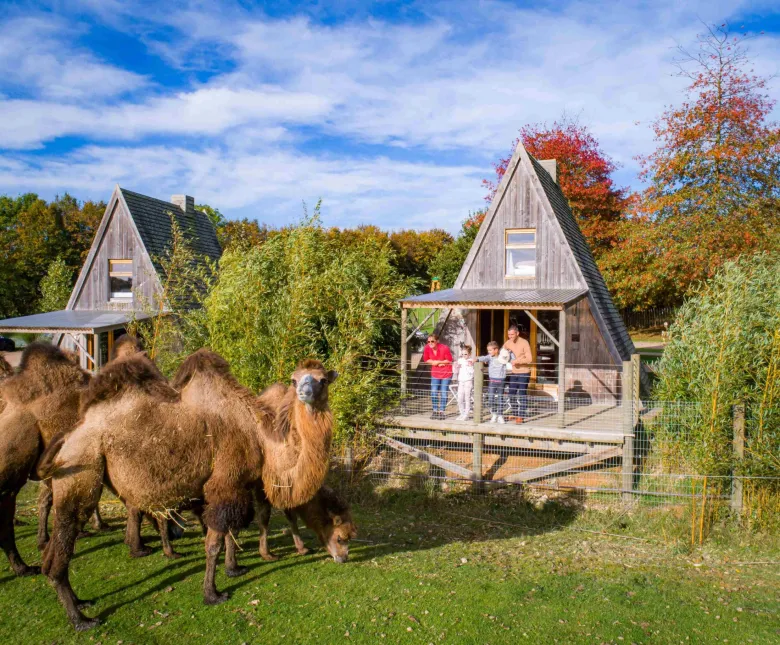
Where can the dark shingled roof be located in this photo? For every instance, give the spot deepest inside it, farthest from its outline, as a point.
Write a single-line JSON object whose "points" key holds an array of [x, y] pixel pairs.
{"points": [[154, 225], [582, 254]]}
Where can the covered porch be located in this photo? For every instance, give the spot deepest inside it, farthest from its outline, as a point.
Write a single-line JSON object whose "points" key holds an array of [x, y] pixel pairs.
{"points": [[90, 333]]}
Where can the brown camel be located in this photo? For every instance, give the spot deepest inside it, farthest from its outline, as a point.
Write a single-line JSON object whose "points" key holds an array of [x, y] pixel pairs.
{"points": [[127, 345], [327, 514], [40, 400], [160, 449]]}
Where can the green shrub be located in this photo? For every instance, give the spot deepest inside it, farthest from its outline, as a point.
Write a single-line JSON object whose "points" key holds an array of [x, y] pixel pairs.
{"points": [[724, 351]]}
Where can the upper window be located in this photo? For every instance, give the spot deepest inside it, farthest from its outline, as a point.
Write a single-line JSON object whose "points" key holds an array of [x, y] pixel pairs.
{"points": [[120, 276], [520, 246]]}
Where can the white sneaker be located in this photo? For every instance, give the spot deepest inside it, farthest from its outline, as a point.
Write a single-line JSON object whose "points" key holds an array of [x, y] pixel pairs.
{"points": [[462, 417], [501, 420], [493, 418]]}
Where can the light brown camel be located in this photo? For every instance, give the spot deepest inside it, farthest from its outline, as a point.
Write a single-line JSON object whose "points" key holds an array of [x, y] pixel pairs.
{"points": [[160, 449], [327, 514], [40, 400], [127, 345]]}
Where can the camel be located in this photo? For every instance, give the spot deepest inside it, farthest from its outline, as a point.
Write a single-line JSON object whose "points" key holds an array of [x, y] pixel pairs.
{"points": [[327, 514], [40, 400], [203, 437]]}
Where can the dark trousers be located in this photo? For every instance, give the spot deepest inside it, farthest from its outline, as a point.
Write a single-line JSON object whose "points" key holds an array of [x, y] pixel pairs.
{"points": [[518, 390], [496, 396]]}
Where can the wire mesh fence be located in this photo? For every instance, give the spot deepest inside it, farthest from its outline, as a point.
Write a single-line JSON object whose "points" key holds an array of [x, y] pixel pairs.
{"points": [[646, 452]]}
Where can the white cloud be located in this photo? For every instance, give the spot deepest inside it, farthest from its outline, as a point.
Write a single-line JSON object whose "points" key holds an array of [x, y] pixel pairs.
{"points": [[456, 86], [36, 54]]}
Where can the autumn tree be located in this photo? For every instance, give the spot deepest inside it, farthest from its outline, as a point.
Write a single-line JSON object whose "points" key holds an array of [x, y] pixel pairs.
{"points": [[416, 250], [714, 179], [584, 175], [56, 286], [447, 263]]}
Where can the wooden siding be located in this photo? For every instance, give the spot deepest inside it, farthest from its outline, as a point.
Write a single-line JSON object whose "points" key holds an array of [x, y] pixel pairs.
{"points": [[119, 241], [591, 349], [521, 206]]}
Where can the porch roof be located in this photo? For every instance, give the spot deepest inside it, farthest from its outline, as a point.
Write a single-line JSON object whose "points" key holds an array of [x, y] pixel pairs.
{"points": [[496, 298], [68, 321]]}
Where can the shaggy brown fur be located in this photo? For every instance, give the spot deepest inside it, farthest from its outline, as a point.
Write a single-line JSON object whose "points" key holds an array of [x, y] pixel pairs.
{"points": [[41, 400], [127, 345], [5, 371], [327, 514]]}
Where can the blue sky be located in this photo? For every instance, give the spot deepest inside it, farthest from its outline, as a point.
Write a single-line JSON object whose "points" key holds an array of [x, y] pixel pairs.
{"points": [[391, 112]]}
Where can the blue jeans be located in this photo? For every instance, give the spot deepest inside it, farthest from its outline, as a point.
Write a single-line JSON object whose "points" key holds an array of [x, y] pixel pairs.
{"points": [[496, 397], [439, 391], [518, 388]]}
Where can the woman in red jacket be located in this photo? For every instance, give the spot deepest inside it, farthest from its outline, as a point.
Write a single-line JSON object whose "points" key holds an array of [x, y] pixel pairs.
{"points": [[439, 357]]}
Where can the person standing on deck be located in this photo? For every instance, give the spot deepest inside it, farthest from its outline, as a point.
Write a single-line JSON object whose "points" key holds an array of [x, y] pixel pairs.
{"points": [[439, 357], [521, 372]]}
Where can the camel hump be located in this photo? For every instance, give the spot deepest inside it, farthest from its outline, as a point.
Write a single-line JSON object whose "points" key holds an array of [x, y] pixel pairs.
{"points": [[40, 357], [127, 345], [203, 361], [136, 373]]}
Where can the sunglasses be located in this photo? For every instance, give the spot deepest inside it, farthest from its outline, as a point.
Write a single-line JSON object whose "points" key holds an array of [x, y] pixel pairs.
{"points": [[431, 342]]}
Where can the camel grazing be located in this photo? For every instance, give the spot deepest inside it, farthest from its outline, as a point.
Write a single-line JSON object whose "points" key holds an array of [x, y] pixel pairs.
{"points": [[327, 514], [161, 448], [40, 400]]}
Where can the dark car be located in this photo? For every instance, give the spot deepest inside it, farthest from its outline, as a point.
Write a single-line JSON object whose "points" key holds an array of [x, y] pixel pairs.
{"points": [[7, 345]]}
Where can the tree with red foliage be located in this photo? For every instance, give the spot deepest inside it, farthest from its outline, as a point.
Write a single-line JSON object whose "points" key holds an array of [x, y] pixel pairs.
{"points": [[714, 180], [584, 175]]}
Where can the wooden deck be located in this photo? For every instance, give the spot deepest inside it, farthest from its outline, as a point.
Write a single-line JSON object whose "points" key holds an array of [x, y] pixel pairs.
{"points": [[593, 423]]}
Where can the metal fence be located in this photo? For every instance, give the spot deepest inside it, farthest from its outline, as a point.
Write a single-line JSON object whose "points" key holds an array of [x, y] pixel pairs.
{"points": [[631, 450], [649, 319]]}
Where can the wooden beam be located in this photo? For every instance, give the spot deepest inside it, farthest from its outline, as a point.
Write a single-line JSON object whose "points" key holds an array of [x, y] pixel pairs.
{"points": [[739, 453], [562, 467], [541, 326], [465, 473], [404, 357], [416, 329], [562, 367], [627, 392]]}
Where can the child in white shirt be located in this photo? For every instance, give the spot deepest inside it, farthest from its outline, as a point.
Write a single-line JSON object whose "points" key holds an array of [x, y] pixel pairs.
{"points": [[465, 382]]}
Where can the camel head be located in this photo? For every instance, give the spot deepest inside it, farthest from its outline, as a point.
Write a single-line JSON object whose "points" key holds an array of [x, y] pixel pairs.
{"points": [[336, 534], [311, 382], [126, 345]]}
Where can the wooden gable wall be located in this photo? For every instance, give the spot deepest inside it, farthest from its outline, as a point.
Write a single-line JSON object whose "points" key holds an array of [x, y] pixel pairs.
{"points": [[522, 205], [116, 239]]}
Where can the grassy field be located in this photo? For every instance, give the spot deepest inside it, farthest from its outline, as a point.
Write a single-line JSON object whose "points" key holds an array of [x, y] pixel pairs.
{"points": [[428, 569]]}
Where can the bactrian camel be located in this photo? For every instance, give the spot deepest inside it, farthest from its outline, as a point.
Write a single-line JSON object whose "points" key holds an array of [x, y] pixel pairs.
{"points": [[41, 400], [160, 448]]}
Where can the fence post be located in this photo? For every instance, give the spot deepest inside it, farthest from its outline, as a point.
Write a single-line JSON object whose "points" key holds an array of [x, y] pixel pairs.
{"points": [[627, 391], [403, 349], [477, 461], [479, 378], [562, 368], [739, 453]]}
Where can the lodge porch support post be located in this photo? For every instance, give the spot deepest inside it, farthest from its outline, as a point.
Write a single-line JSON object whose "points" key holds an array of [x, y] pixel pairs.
{"points": [[96, 365], [479, 377], [562, 367], [627, 391], [739, 453], [403, 349]]}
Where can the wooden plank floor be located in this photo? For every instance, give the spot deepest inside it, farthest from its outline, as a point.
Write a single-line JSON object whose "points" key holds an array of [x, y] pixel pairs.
{"points": [[597, 423]]}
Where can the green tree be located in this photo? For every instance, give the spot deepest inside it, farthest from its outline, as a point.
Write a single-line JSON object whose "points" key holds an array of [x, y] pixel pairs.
{"points": [[56, 286], [447, 263]]}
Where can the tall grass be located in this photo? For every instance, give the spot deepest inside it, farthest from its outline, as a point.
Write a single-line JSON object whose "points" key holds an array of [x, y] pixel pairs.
{"points": [[724, 351]]}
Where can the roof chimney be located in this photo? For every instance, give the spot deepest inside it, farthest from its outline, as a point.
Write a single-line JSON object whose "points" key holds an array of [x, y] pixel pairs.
{"points": [[551, 166], [184, 202]]}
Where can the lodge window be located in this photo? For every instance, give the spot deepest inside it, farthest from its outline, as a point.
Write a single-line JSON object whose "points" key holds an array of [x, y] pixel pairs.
{"points": [[520, 244], [120, 277]]}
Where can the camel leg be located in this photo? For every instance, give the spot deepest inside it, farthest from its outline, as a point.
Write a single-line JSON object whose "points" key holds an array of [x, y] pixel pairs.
{"points": [[197, 510], [292, 518], [133, 534], [7, 538], [44, 508], [96, 521], [232, 570], [166, 540], [263, 510], [56, 564], [214, 541]]}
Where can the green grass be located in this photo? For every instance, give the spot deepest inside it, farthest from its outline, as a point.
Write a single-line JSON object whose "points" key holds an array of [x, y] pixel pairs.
{"points": [[432, 568]]}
